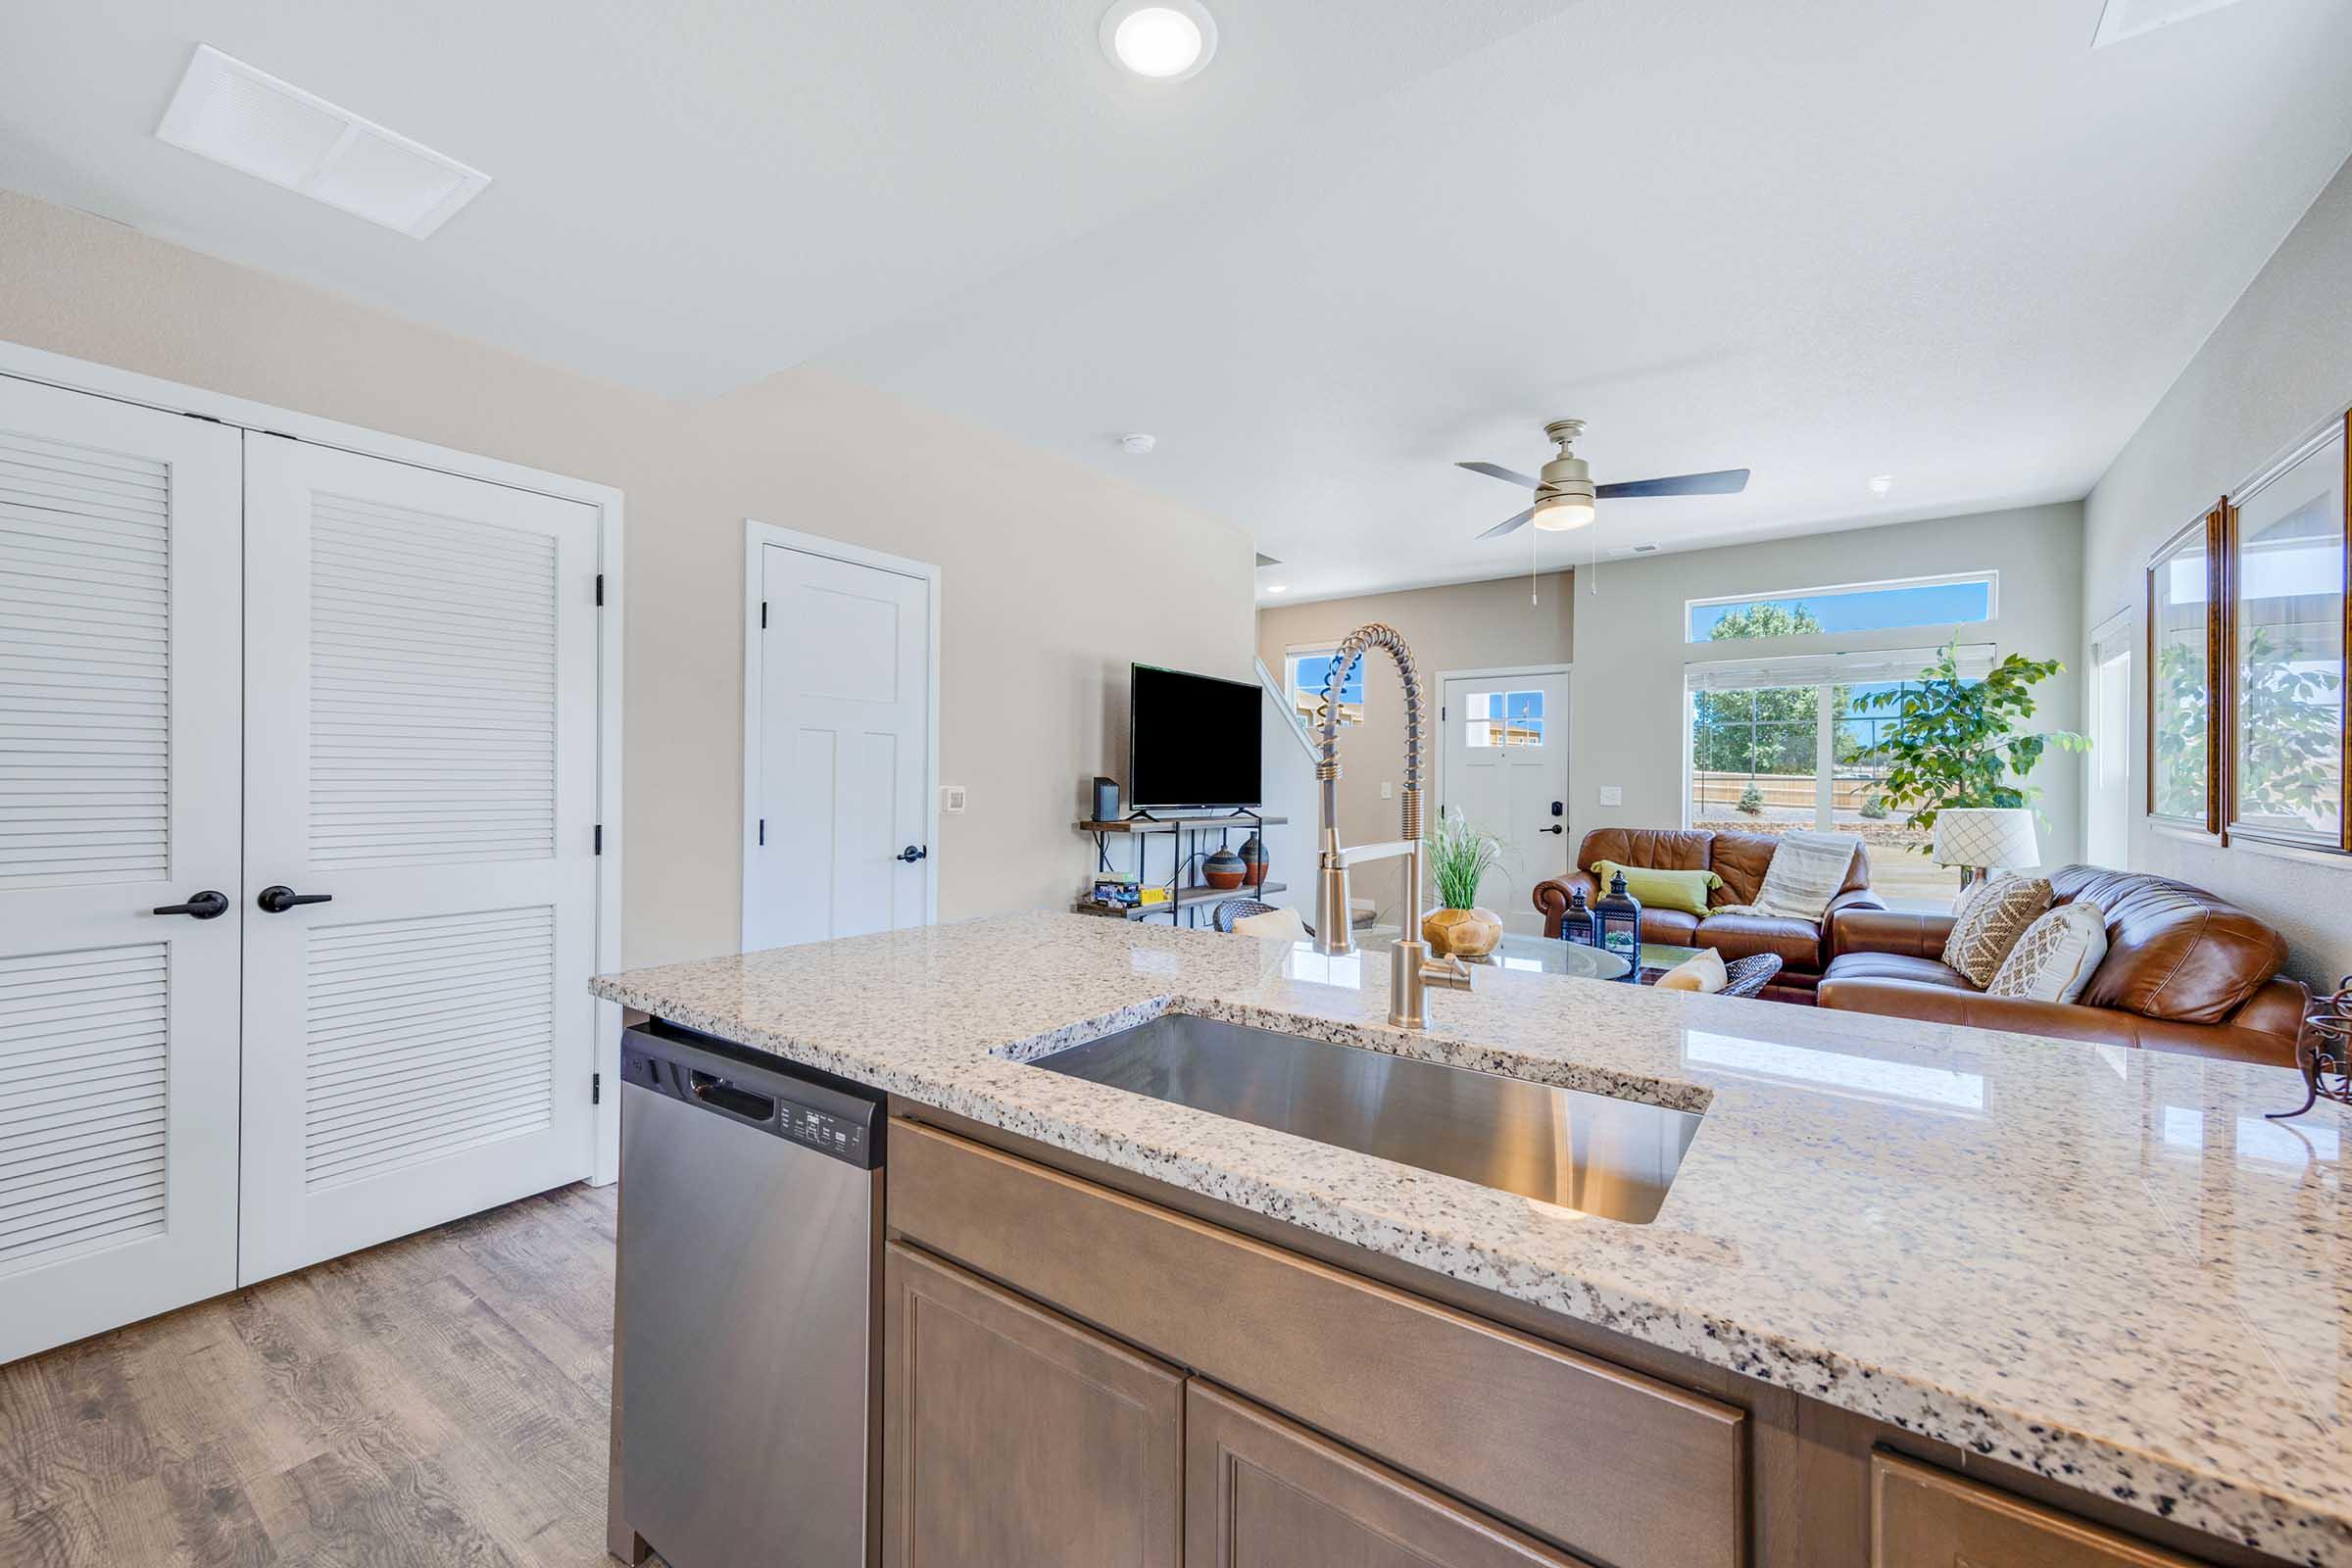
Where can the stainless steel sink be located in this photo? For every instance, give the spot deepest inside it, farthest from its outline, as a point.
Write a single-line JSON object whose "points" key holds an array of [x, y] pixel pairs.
{"points": [[1611, 1157]]}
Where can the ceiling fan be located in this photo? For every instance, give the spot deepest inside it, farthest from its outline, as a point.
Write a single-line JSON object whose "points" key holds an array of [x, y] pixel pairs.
{"points": [[1565, 494]]}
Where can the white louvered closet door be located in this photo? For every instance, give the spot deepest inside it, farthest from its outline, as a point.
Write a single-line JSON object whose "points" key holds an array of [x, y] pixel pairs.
{"points": [[420, 748], [118, 660]]}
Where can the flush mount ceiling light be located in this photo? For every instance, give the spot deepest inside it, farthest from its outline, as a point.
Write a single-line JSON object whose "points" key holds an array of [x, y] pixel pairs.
{"points": [[1138, 445], [1167, 40], [1278, 587], [256, 125]]}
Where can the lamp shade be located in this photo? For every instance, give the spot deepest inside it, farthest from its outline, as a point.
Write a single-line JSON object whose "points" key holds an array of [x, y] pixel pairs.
{"points": [[1994, 838]]}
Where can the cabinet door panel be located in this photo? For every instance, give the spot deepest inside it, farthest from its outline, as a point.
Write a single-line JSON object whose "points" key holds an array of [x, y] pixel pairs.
{"points": [[1014, 1437], [1923, 1518], [1264, 1493]]}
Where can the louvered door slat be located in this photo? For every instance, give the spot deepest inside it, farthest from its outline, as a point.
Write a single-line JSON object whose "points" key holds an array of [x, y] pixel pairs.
{"points": [[87, 536]]}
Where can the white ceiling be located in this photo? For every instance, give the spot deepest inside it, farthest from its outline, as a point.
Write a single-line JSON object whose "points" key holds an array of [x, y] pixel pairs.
{"points": [[1819, 238]]}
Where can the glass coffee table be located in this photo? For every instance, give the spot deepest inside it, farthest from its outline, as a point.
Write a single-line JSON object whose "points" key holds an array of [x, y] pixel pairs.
{"points": [[1536, 954]]}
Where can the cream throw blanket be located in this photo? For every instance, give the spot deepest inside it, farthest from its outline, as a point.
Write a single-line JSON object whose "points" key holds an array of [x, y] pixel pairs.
{"points": [[1807, 869]]}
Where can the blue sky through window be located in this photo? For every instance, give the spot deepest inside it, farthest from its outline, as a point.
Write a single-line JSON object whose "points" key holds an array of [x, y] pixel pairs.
{"points": [[1314, 669], [1940, 603]]}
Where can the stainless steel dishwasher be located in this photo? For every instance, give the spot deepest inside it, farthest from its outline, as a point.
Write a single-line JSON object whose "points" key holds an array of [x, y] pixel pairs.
{"points": [[750, 1223]]}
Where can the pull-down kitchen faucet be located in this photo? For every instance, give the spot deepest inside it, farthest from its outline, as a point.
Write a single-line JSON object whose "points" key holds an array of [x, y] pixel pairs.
{"points": [[1410, 969]]}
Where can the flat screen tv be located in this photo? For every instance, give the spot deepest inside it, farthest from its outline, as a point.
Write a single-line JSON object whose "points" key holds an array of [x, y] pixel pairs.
{"points": [[1193, 740]]}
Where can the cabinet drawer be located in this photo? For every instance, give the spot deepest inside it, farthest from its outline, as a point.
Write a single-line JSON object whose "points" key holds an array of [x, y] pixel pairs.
{"points": [[1606, 1463], [1263, 1493], [1012, 1436], [1923, 1517]]}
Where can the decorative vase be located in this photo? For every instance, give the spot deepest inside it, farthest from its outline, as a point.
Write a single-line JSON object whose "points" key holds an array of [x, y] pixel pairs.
{"points": [[1223, 869], [1253, 858], [1461, 933]]}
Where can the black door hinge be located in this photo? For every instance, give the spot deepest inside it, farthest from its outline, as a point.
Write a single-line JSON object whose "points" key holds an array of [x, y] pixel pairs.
{"points": [[600, 838], [764, 614], [596, 1089], [764, 831], [600, 590]]}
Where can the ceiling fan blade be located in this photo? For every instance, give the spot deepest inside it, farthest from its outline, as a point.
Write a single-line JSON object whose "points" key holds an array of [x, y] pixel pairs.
{"points": [[1722, 482], [1501, 528], [1495, 471]]}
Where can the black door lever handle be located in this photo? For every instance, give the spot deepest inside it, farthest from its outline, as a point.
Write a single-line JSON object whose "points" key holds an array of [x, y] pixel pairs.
{"points": [[205, 905], [277, 898], [1554, 828], [912, 854]]}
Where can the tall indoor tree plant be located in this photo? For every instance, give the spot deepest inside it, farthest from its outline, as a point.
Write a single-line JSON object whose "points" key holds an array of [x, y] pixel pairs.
{"points": [[1956, 741]]}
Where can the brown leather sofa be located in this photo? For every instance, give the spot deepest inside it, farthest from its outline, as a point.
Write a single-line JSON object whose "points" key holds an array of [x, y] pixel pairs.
{"points": [[1741, 859], [2184, 971]]}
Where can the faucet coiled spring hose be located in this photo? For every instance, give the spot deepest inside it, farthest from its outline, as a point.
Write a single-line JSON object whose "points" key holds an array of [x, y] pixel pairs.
{"points": [[1327, 736]]}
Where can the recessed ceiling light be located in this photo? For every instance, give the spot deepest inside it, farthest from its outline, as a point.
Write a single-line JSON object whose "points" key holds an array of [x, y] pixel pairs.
{"points": [[1278, 587], [256, 125], [1167, 40], [1881, 483]]}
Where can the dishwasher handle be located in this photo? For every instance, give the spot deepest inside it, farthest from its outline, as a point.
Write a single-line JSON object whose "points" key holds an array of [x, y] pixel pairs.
{"points": [[717, 1092]]}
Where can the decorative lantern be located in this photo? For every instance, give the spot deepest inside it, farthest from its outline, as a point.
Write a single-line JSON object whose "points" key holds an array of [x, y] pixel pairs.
{"points": [[1576, 921], [1617, 925]]}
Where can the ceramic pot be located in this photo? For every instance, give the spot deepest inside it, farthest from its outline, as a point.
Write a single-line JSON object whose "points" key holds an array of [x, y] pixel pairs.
{"points": [[1253, 857], [1462, 933], [1224, 869]]}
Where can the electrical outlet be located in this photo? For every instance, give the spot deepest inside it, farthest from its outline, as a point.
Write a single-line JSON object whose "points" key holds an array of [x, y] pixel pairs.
{"points": [[951, 798], [1612, 795], [1386, 789]]}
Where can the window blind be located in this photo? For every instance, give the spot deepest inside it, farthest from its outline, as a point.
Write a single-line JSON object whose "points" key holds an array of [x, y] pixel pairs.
{"points": [[1875, 666]]}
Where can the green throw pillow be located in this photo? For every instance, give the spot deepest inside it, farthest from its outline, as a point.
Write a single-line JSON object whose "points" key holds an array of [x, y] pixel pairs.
{"points": [[1661, 890]]}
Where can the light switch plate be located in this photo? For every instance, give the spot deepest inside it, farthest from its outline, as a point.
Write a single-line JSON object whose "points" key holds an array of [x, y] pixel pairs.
{"points": [[1612, 795], [1385, 789], [951, 798]]}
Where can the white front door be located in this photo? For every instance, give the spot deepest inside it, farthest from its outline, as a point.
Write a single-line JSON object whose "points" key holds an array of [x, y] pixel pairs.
{"points": [[118, 771], [420, 751], [2109, 810], [840, 732], [1504, 744]]}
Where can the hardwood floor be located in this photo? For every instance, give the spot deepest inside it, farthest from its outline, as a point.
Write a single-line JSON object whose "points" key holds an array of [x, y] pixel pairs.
{"points": [[441, 1399]]}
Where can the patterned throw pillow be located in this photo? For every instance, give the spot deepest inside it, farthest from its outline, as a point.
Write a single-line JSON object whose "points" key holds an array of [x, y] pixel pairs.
{"points": [[2053, 961], [1990, 923]]}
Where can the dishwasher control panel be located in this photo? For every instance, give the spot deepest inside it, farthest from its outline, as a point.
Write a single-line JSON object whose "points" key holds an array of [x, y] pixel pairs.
{"points": [[822, 1130]]}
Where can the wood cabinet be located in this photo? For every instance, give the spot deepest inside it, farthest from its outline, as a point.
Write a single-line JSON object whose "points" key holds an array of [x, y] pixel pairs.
{"points": [[1264, 1493], [1922, 1517], [1014, 1435]]}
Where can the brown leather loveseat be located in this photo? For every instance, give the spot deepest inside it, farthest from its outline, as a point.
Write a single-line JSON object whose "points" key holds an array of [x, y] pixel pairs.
{"points": [[1741, 859], [2184, 971]]}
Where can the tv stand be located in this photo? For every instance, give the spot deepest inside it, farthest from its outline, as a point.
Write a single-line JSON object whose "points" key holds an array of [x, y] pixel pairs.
{"points": [[1184, 899]]}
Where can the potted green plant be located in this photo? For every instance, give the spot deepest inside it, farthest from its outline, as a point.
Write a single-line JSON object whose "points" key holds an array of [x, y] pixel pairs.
{"points": [[1956, 741], [1459, 855]]}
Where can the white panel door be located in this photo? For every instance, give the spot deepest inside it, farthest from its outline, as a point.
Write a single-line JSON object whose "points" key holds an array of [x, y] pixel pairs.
{"points": [[118, 660], [420, 749], [844, 719], [1505, 747]]}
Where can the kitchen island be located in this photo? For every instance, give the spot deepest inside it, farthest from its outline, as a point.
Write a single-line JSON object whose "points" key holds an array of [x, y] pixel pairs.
{"points": [[2075, 1303]]}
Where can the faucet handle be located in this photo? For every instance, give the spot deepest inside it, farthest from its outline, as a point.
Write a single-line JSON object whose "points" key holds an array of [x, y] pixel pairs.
{"points": [[1450, 972]]}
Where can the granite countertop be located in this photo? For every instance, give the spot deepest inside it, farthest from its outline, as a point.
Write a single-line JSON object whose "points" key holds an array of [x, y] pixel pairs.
{"points": [[2096, 1263]]}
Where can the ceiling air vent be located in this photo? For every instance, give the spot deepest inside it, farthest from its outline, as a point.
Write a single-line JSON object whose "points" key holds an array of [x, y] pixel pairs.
{"points": [[252, 121], [2128, 19], [1624, 551]]}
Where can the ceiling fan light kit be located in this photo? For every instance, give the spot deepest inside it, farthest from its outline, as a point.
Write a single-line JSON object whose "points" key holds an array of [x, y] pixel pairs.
{"points": [[1565, 496]]}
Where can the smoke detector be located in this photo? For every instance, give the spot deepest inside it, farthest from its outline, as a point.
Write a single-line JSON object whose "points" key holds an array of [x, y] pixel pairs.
{"points": [[227, 111], [1138, 444]]}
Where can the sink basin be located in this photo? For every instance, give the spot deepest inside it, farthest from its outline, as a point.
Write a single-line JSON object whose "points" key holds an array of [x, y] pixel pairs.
{"points": [[1611, 1157]]}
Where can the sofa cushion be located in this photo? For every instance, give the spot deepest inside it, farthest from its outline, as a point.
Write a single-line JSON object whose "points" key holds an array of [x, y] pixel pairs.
{"points": [[1744, 936], [1659, 889], [2173, 951], [2054, 960], [1904, 967], [1675, 928], [1669, 849], [1742, 859], [1989, 924]]}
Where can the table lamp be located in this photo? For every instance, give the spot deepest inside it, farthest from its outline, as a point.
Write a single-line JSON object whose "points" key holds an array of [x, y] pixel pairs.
{"points": [[1985, 838]]}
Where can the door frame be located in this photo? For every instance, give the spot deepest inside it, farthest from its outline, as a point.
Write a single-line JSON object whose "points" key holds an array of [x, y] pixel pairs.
{"points": [[172, 397], [757, 537]]}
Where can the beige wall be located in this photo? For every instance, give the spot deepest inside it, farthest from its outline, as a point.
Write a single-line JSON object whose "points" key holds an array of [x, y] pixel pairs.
{"points": [[2280, 361], [1052, 577], [1626, 707], [1479, 625]]}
